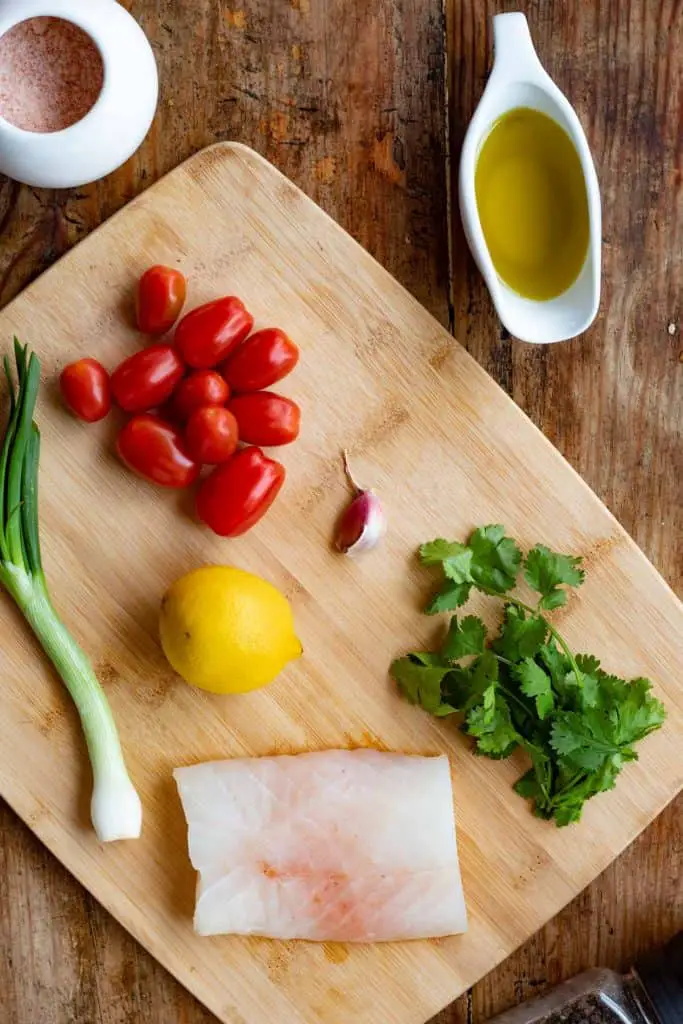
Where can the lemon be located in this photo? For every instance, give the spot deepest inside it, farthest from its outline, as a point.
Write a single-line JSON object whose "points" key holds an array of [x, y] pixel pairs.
{"points": [[226, 630]]}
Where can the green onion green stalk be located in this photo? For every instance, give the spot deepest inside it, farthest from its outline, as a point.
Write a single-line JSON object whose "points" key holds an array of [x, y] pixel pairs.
{"points": [[115, 807]]}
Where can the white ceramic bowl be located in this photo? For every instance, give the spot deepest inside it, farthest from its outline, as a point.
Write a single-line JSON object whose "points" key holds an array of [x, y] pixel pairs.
{"points": [[519, 80], [114, 127]]}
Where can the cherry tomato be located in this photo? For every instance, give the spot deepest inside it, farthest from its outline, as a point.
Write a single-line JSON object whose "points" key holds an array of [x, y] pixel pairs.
{"points": [[156, 450], [160, 298], [266, 418], [203, 387], [86, 389], [147, 379], [207, 335], [237, 494], [211, 434], [264, 358]]}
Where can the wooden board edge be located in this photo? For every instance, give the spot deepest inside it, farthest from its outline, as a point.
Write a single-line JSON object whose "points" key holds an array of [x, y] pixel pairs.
{"points": [[186, 977], [252, 157]]}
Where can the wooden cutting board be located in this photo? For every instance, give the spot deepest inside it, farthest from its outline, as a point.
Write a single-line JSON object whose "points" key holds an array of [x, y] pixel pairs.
{"points": [[447, 450]]}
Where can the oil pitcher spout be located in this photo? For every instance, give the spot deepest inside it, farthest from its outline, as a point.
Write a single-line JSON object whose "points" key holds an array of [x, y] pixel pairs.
{"points": [[514, 53]]}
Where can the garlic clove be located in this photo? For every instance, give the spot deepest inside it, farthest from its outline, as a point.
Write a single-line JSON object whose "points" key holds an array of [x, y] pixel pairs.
{"points": [[362, 525]]}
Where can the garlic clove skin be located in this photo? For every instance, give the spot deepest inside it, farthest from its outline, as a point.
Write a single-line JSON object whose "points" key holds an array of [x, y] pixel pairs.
{"points": [[362, 525]]}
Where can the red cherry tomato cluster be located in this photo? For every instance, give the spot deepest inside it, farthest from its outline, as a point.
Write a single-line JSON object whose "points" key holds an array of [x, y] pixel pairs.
{"points": [[194, 401]]}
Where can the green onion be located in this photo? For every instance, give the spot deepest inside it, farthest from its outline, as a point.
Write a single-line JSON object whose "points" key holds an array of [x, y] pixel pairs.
{"points": [[115, 807]]}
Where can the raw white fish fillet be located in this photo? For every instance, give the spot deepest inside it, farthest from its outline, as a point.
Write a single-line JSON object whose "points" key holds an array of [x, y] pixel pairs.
{"points": [[342, 845]]}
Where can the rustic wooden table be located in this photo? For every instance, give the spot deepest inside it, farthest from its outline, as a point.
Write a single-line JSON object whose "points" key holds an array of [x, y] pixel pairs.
{"points": [[363, 103]]}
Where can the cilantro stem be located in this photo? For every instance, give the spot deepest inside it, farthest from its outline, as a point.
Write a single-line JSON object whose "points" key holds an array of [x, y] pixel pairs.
{"points": [[575, 780], [567, 650], [534, 611], [502, 660], [512, 696], [533, 696], [503, 689]]}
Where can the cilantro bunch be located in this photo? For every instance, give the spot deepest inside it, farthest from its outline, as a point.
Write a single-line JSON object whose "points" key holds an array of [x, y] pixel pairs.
{"points": [[524, 689]]}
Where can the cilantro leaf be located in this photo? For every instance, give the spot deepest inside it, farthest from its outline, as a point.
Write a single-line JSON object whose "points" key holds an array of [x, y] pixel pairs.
{"points": [[577, 724], [495, 560], [492, 728], [535, 682], [485, 670], [537, 784], [587, 663], [545, 571], [455, 559], [569, 801], [612, 691], [435, 552], [465, 637], [584, 740], [421, 684], [478, 682], [528, 787], [487, 715], [489, 703], [639, 715], [606, 778], [630, 708], [443, 710], [581, 694], [450, 597], [430, 658], [558, 665], [589, 692], [556, 661], [520, 636], [534, 786], [568, 812], [459, 690], [545, 703], [490, 560]]}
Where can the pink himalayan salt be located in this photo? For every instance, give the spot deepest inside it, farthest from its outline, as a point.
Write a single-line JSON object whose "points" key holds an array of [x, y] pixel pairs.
{"points": [[51, 74]]}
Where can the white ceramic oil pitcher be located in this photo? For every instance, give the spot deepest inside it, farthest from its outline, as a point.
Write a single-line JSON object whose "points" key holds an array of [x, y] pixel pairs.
{"points": [[519, 80], [115, 125]]}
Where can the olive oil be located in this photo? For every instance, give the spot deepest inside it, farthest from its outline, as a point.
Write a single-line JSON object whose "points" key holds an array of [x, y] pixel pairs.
{"points": [[532, 203]]}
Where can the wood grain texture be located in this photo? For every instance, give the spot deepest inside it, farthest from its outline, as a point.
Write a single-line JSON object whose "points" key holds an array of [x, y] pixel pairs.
{"points": [[63, 960], [327, 91], [612, 401], [347, 98], [227, 214]]}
